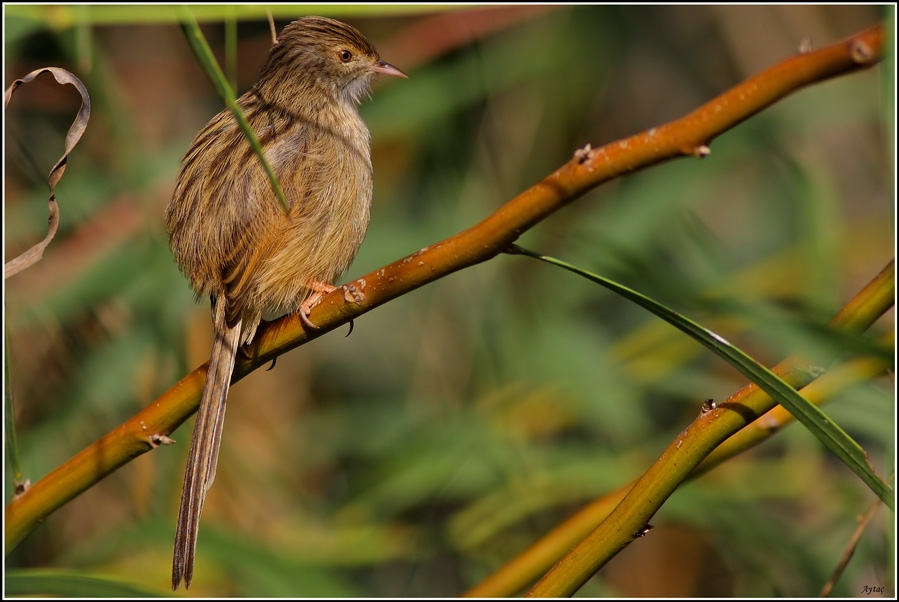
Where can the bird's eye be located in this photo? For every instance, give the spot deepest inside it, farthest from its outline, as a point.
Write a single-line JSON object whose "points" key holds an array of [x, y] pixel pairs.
{"points": [[345, 55]]}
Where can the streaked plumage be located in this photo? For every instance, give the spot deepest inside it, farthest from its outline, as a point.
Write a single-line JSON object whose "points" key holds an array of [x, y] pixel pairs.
{"points": [[231, 236]]}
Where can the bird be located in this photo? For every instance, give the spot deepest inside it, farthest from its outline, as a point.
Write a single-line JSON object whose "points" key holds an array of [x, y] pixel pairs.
{"points": [[238, 245]]}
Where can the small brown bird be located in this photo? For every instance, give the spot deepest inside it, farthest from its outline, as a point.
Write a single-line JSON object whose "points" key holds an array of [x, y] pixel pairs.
{"points": [[234, 240]]}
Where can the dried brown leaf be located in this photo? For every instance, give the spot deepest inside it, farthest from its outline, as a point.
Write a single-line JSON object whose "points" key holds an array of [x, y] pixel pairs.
{"points": [[34, 254]]}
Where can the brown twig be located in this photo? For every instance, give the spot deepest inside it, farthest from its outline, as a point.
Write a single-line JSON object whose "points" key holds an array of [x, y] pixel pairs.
{"points": [[689, 136], [851, 546]]}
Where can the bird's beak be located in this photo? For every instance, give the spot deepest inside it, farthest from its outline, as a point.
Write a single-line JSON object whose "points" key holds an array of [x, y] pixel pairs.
{"points": [[387, 69]]}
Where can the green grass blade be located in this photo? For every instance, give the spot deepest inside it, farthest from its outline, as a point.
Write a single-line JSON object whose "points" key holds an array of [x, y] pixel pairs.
{"points": [[71, 584], [816, 421], [12, 447], [213, 71]]}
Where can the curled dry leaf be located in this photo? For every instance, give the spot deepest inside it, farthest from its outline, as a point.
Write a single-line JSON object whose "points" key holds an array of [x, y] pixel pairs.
{"points": [[34, 254]]}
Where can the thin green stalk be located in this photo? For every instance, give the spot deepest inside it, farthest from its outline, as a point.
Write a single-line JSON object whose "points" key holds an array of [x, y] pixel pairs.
{"points": [[210, 66], [12, 446], [231, 49]]}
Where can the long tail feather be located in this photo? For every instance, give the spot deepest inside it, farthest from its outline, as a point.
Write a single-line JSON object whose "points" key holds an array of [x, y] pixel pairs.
{"points": [[204, 447]]}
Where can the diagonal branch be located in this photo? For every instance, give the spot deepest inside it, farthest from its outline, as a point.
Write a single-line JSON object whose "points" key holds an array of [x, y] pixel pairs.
{"points": [[693, 445], [688, 136], [528, 566]]}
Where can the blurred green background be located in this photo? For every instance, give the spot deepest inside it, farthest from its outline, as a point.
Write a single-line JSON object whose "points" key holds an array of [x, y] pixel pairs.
{"points": [[459, 423]]}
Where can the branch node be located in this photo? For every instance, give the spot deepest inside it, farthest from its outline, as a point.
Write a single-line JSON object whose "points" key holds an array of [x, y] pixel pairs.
{"points": [[861, 53], [805, 46], [158, 439], [583, 154], [816, 370], [351, 294], [20, 487], [701, 151]]}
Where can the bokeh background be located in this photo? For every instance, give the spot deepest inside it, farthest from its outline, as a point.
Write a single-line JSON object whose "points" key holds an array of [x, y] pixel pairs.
{"points": [[461, 422]]}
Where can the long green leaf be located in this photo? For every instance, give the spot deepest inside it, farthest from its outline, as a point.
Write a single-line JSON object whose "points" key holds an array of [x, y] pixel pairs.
{"points": [[816, 421], [214, 72], [71, 584]]}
